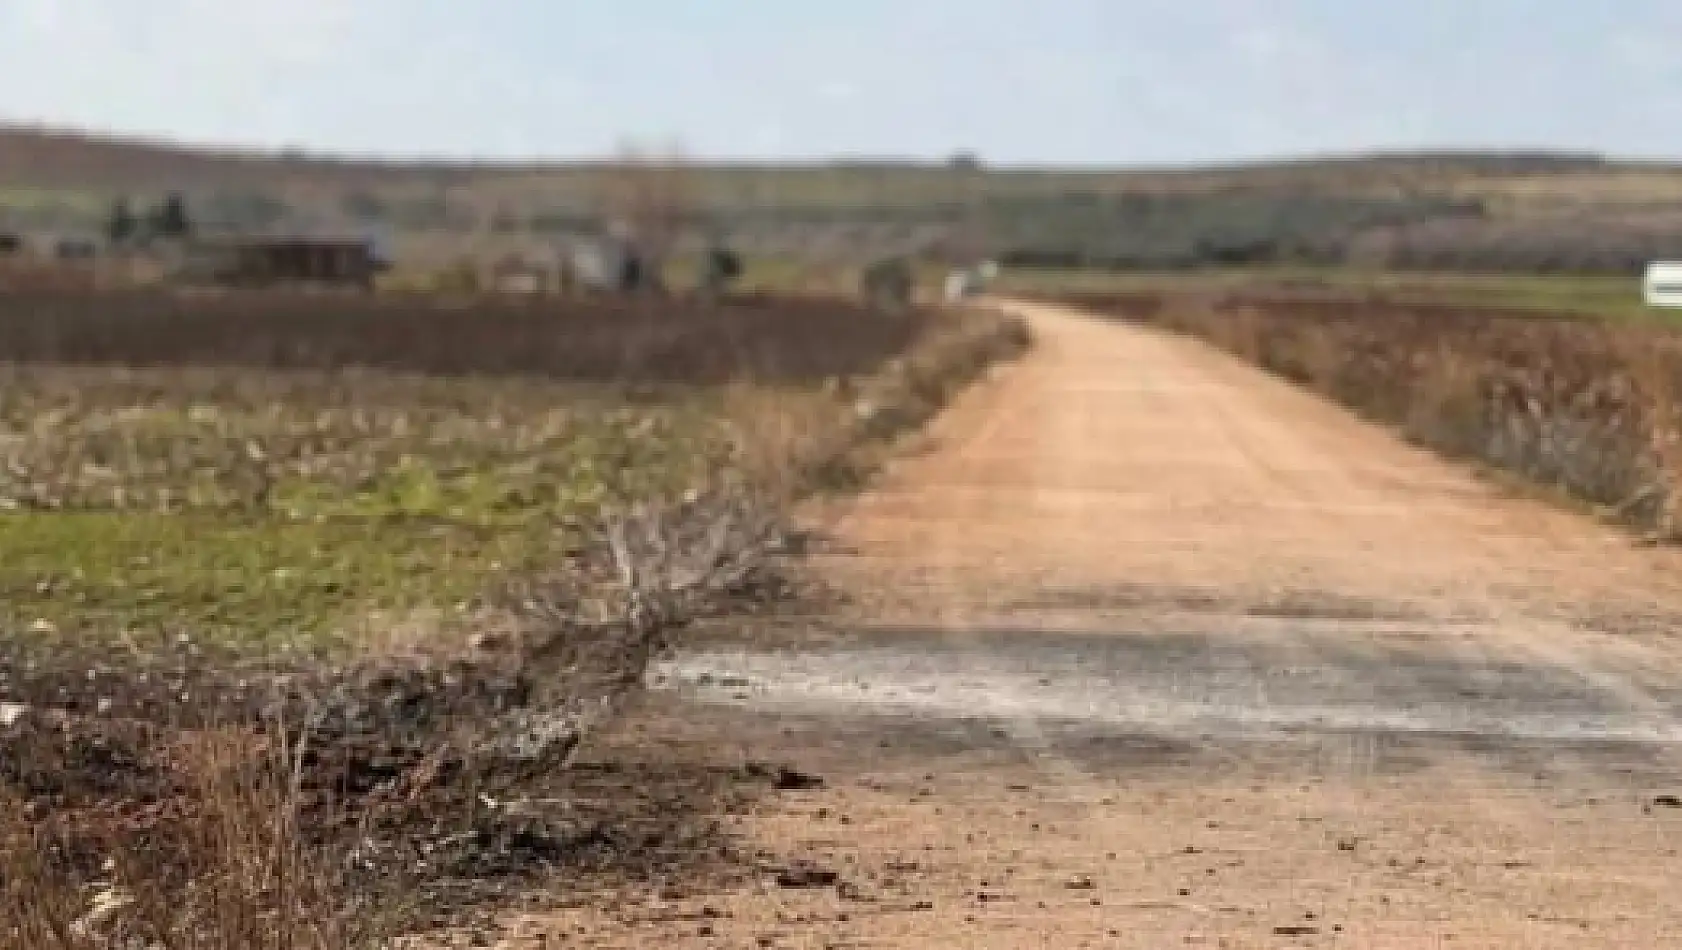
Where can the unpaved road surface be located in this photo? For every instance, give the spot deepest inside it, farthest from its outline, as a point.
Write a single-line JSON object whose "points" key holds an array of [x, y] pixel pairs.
{"points": [[1152, 649]]}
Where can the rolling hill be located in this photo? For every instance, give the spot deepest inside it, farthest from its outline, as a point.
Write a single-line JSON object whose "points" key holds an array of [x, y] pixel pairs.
{"points": [[1524, 211]]}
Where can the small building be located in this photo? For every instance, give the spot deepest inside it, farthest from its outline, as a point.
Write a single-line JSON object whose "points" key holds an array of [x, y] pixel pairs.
{"points": [[963, 283], [612, 264], [271, 260]]}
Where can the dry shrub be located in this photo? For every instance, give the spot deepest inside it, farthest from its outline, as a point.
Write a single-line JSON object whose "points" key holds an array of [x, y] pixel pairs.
{"points": [[1445, 408], [773, 427], [1241, 334], [791, 442], [910, 390], [1315, 359], [1651, 369], [652, 195], [1236, 330]]}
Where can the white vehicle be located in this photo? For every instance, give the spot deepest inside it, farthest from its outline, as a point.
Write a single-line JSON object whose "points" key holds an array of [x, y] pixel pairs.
{"points": [[1662, 285], [963, 283], [959, 284]]}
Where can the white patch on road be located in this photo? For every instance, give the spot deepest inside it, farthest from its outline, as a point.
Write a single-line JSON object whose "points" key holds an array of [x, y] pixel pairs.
{"points": [[1195, 703]]}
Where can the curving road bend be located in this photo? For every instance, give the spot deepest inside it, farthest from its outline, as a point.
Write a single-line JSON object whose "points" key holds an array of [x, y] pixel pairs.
{"points": [[1153, 649]]}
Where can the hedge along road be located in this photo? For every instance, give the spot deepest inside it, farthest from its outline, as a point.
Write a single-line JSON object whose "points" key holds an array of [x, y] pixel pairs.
{"points": [[1152, 648]]}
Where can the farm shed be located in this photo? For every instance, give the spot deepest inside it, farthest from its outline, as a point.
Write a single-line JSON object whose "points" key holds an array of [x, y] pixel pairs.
{"points": [[272, 260]]}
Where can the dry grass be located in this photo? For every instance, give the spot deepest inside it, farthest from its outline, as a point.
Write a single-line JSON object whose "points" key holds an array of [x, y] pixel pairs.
{"points": [[1614, 297], [236, 871], [1654, 383], [1588, 408], [1445, 407]]}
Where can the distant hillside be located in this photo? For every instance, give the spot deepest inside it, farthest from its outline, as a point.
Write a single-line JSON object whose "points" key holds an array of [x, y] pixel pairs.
{"points": [[1444, 209], [50, 159], [47, 159]]}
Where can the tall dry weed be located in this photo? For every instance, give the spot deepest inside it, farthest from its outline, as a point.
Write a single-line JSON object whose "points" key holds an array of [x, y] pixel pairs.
{"points": [[1444, 407], [1323, 360], [1651, 367], [1238, 331], [230, 862], [779, 432], [41, 905]]}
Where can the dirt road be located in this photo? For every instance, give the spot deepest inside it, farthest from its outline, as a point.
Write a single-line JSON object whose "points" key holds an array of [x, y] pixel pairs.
{"points": [[1157, 650]]}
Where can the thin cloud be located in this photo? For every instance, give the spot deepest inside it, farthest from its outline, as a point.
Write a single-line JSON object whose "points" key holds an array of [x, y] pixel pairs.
{"points": [[839, 90], [1116, 81]]}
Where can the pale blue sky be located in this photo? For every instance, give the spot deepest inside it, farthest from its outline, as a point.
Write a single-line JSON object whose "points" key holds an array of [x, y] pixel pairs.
{"points": [[1056, 81]]}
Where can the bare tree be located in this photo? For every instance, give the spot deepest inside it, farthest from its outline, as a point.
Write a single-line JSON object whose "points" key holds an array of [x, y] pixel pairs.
{"points": [[649, 203]]}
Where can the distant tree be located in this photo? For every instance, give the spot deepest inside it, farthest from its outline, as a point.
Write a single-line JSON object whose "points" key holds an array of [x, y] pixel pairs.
{"points": [[964, 160], [123, 225], [170, 218]]}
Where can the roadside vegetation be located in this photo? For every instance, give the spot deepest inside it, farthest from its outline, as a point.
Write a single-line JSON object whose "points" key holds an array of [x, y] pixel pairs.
{"points": [[307, 601], [1587, 407]]}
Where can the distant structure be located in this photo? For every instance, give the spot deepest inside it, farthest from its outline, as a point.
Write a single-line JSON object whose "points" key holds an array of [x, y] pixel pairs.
{"points": [[612, 264], [282, 260], [960, 284], [963, 283], [592, 265]]}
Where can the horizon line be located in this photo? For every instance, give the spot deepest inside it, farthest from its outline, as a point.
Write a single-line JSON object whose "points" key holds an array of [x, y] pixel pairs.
{"points": [[632, 153]]}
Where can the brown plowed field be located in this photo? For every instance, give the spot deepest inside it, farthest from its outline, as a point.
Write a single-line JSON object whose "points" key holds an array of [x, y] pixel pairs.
{"points": [[590, 340]]}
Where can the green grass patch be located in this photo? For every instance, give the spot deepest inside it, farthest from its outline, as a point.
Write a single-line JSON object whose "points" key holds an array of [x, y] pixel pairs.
{"points": [[1609, 296], [262, 510], [241, 581]]}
